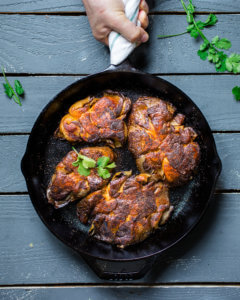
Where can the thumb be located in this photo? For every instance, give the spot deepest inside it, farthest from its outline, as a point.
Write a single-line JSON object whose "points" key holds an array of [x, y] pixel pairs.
{"points": [[129, 30]]}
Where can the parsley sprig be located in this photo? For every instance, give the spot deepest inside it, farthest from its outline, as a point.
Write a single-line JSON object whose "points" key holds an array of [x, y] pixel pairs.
{"points": [[103, 167], [85, 164], [9, 90], [211, 50]]}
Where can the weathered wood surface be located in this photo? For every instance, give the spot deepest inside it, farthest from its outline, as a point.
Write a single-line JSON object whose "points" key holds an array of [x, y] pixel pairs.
{"points": [[127, 293], [77, 6], [30, 254], [13, 148], [201, 5], [41, 6], [212, 94], [64, 44], [41, 44]]}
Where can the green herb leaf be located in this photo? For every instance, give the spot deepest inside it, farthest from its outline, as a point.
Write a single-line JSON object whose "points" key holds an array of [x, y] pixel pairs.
{"points": [[83, 163], [216, 58], [204, 46], [83, 171], [212, 51], [18, 87], [194, 33], [221, 44], [8, 90], [103, 161], [233, 63], [102, 165], [236, 92], [87, 161], [202, 54], [215, 39], [209, 50], [211, 20], [75, 163], [200, 24], [111, 166], [190, 27], [210, 57], [221, 67], [104, 173]]}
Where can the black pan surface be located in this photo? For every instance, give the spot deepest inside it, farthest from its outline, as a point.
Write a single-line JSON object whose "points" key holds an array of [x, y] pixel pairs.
{"points": [[44, 152]]}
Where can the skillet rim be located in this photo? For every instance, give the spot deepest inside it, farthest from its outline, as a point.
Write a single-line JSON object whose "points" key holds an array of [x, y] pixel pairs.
{"points": [[216, 164]]}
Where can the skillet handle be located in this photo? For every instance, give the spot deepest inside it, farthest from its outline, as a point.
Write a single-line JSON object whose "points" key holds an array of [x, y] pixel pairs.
{"points": [[125, 66], [120, 271]]}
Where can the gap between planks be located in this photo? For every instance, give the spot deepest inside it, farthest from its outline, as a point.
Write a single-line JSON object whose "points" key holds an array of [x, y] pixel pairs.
{"points": [[83, 13], [88, 74], [126, 285]]}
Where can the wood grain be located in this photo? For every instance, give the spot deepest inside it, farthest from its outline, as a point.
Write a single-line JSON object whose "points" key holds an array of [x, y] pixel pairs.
{"points": [[201, 5], [128, 293], [41, 5], [211, 93], [30, 254], [61, 45], [76, 5], [13, 148], [64, 44]]}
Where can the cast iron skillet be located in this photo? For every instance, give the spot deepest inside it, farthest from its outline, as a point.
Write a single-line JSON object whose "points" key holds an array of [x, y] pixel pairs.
{"points": [[190, 201]]}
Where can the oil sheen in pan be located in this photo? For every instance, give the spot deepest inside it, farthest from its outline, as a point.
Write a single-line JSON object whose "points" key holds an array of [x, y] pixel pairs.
{"points": [[56, 149]]}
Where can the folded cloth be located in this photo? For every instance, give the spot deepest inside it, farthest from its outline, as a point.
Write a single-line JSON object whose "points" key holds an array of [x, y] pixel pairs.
{"points": [[120, 48]]}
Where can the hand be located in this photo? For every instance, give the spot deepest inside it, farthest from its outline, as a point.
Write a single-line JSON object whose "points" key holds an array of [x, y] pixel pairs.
{"points": [[108, 15]]}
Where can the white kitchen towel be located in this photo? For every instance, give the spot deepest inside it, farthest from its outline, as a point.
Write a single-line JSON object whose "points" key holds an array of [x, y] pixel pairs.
{"points": [[120, 48]]}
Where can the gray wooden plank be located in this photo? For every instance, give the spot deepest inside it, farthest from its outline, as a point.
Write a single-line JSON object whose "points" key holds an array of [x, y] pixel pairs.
{"points": [[76, 5], [64, 44], [13, 148], [213, 95], [127, 293], [21, 119], [30, 254], [217, 102], [228, 151], [11, 151], [201, 5], [41, 5]]}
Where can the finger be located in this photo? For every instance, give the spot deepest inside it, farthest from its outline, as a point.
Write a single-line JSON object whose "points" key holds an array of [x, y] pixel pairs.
{"points": [[143, 18], [143, 6], [128, 29], [145, 36], [101, 33], [105, 41]]}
